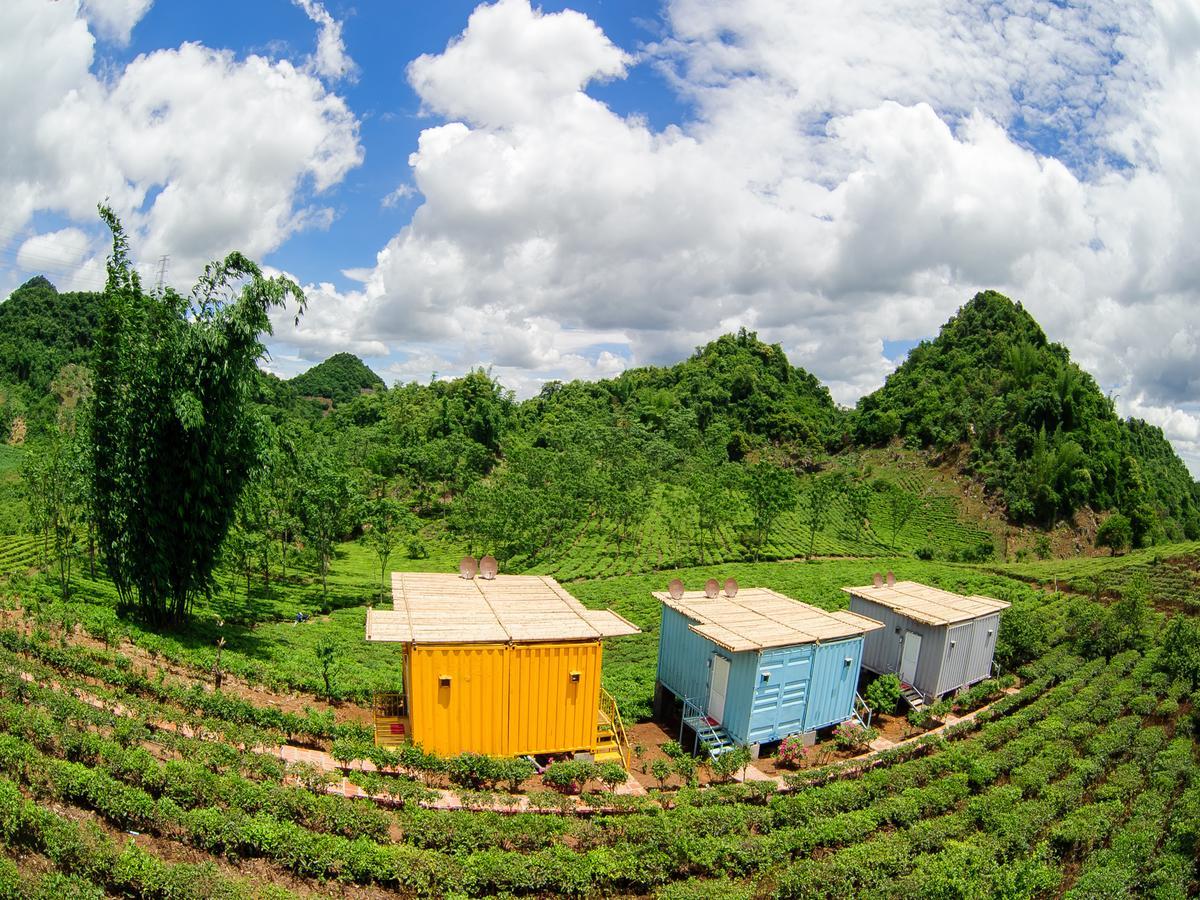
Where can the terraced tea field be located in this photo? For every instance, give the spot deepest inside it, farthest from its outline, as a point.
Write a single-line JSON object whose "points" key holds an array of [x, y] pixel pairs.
{"points": [[1171, 573], [937, 529], [1081, 784]]}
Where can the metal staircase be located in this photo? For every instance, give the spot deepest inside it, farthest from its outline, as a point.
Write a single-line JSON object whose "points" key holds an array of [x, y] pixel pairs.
{"points": [[912, 696], [709, 734], [612, 744]]}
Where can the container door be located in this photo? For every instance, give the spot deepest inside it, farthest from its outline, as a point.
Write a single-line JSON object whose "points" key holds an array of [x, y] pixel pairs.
{"points": [[909, 654], [717, 688]]}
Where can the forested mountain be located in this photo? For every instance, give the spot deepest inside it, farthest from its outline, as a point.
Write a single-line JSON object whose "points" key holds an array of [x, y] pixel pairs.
{"points": [[1040, 432], [41, 332], [676, 447], [340, 378]]}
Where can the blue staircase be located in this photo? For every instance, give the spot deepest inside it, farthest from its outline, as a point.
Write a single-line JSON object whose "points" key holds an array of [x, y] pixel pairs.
{"points": [[712, 737]]}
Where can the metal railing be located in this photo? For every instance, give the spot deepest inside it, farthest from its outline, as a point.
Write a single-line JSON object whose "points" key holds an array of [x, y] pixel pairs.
{"points": [[609, 709], [860, 707], [391, 718]]}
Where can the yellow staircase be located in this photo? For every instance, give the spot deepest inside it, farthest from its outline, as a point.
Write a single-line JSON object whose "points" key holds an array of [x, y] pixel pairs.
{"points": [[392, 724], [612, 744]]}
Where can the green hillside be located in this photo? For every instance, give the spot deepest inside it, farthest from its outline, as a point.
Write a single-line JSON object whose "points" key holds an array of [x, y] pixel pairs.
{"points": [[340, 378], [1039, 431]]}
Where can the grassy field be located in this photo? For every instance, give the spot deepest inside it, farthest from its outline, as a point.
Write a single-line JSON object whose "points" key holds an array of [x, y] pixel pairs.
{"points": [[12, 500]]}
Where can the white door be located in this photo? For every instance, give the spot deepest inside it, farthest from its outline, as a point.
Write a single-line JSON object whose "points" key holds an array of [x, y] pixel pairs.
{"points": [[910, 652], [717, 688]]}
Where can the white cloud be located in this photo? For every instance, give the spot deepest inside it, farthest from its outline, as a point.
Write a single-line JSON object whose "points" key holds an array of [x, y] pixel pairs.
{"points": [[199, 152], [852, 174], [331, 59], [512, 64], [71, 257], [114, 19]]}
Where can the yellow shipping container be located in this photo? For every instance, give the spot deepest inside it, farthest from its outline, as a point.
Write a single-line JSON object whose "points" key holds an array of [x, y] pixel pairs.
{"points": [[508, 666], [505, 700]]}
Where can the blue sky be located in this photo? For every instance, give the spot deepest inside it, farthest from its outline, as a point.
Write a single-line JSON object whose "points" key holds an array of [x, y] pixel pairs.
{"points": [[381, 37], [561, 191]]}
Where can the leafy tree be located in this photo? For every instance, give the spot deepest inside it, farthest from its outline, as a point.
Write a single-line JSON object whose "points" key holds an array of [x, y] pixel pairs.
{"points": [[858, 498], [325, 507], [816, 504], [883, 694], [770, 491], [1180, 656], [174, 441], [899, 506], [384, 526], [1115, 533], [327, 651]]}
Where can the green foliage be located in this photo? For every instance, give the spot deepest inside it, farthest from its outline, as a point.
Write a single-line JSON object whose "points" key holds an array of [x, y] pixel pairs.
{"points": [[340, 378], [728, 764], [770, 491], [327, 650], [883, 694], [569, 775], [173, 438], [1116, 533], [1040, 432], [1180, 656]]}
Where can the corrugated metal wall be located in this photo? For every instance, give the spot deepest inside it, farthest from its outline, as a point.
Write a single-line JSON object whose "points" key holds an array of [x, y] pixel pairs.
{"points": [[683, 657], [504, 700], [780, 702], [834, 679], [469, 712], [968, 653], [881, 647], [547, 712]]}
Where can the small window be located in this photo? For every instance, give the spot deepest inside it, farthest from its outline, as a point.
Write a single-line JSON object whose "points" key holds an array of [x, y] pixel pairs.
{"points": [[574, 678], [443, 681]]}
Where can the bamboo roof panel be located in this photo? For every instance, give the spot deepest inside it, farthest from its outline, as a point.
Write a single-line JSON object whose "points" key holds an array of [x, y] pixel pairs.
{"points": [[760, 619], [442, 608], [929, 605]]}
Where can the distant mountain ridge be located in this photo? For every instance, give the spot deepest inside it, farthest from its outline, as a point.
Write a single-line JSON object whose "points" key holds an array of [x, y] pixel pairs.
{"points": [[1036, 429]]}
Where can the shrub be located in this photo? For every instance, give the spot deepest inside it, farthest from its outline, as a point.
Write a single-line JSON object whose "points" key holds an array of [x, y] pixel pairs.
{"points": [[686, 767], [476, 770], [883, 694], [852, 736], [673, 749], [729, 763], [1115, 533], [612, 774], [569, 775], [792, 752], [661, 770], [925, 553]]}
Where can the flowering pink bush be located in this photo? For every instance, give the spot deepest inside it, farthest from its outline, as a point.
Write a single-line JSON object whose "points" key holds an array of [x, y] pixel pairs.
{"points": [[792, 752]]}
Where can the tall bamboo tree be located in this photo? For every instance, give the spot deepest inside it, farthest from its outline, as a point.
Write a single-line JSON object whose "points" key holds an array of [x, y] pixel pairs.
{"points": [[174, 439]]}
